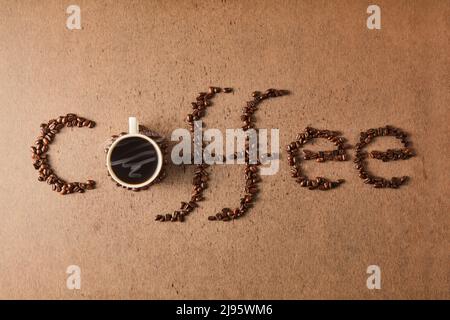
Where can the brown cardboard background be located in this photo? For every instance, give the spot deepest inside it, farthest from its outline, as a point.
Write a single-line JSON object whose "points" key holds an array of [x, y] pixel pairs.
{"points": [[149, 58]]}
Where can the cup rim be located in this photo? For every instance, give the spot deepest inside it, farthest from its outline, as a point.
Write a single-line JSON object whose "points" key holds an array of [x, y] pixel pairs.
{"points": [[155, 174]]}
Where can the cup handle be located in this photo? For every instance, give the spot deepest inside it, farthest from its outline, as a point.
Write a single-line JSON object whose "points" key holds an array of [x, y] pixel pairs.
{"points": [[133, 126]]}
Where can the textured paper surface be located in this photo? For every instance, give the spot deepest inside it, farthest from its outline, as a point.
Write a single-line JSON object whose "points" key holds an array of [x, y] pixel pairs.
{"points": [[149, 59]]}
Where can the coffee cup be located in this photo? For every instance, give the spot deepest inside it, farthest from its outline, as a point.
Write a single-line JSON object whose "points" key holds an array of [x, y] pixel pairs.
{"points": [[134, 160]]}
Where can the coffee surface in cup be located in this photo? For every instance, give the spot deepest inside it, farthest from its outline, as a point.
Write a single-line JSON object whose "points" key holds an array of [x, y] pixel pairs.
{"points": [[134, 160]]}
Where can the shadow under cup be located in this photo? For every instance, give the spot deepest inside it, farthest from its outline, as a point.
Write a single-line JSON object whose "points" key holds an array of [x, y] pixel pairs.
{"points": [[134, 161]]}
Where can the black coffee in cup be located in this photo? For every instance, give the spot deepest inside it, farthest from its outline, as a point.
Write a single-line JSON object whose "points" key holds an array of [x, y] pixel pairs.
{"points": [[134, 160]]}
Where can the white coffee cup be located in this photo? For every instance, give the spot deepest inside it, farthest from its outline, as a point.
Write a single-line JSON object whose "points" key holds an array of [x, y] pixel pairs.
{"points": [[134, 160]]}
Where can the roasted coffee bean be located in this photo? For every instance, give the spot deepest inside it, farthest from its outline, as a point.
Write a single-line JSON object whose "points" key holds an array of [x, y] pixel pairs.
{"points": [[192, 204], [90, 184], [212, 90], [251, 190], [58, 127]]}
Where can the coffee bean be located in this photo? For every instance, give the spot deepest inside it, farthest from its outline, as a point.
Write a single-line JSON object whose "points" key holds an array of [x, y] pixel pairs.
{"points": [[251, 190]]}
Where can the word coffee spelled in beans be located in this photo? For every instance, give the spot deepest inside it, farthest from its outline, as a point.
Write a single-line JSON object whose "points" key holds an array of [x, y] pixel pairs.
{"points": [[141, 167]]}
